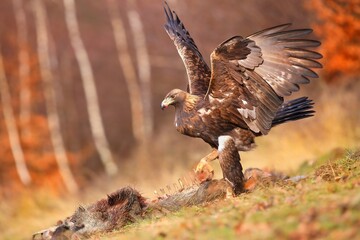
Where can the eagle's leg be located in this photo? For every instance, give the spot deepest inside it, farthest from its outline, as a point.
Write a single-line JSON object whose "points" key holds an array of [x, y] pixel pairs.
{"points": [[229, 159], [203, 170]]}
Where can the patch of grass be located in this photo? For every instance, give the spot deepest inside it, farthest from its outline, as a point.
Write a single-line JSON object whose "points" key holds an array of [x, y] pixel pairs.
{"points": [[325, 205]]}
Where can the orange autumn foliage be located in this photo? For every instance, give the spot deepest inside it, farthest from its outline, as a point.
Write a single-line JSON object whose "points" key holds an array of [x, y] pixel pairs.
{"points": [[338, 26], [34, 134]]}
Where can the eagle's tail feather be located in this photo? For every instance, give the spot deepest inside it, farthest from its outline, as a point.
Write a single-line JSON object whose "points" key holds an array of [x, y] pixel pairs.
{"points": [[294, 110]]}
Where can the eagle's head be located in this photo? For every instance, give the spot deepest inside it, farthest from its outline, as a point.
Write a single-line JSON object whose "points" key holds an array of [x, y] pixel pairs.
{"points": [[175, 97]]}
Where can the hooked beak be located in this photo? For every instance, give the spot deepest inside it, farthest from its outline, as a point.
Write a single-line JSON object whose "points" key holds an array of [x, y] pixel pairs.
{"points": [[166, 102]]}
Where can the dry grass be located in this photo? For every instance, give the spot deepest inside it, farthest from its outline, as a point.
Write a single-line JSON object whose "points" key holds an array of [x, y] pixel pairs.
{"points": [[279, 211]]}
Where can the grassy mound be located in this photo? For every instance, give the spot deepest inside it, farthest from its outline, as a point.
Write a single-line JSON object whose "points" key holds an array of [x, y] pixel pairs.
{"points": [[325, 204]]}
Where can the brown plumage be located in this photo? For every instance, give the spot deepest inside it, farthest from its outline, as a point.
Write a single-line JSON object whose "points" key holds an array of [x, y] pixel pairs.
{"points": [[242, 95], [229, 159]]}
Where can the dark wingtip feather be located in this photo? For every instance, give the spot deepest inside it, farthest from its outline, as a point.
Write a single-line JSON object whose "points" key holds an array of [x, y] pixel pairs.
{"points": [[169, 16], [176, 29], [304, 71], [271, 29], [166, 10], [288, 34], [305, 62], [303, 53]]}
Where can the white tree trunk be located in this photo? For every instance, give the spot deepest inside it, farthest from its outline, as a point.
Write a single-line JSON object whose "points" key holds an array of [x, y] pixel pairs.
{"points": [[10, 123], [96, 124], [50, 98], [24, 67], [136, 104], [143, 65]]}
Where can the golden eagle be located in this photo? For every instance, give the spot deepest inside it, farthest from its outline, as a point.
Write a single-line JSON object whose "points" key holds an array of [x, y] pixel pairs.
{"points": [[242, 94]]}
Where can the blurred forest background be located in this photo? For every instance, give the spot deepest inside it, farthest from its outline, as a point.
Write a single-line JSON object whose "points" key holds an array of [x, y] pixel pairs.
{"points": [[81, 84]]}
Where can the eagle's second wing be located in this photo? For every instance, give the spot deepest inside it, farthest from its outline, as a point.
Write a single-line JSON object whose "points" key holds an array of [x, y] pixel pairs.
{"points": [[197, 70], [252, 75]]}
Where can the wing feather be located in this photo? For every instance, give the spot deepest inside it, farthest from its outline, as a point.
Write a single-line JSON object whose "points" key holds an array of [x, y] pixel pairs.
{"points": [[302, 53], [197, 70], [260, 70], [271, 30]]}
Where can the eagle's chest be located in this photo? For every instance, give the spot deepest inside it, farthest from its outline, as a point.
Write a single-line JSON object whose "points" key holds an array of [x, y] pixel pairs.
{"points": [[189, 124], [201, 123]]}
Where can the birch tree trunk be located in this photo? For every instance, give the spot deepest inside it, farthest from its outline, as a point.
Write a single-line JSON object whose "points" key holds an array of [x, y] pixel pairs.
{"points": [[136, 104], [143, 65], [24, 67], [50, 98], [96, 124], [10, 123]]}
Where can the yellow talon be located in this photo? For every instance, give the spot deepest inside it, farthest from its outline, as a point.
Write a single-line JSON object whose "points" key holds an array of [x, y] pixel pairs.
{"points": [[204, 171]]}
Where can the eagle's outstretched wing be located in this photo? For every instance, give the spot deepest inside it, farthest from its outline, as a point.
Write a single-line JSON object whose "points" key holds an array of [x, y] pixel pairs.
{"points": [[197, 70], [252, 75]]}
